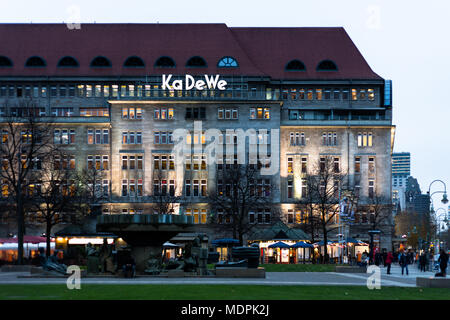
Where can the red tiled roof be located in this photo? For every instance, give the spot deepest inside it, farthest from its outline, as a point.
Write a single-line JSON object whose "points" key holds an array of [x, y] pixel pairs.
{"points": [[259, 51]]}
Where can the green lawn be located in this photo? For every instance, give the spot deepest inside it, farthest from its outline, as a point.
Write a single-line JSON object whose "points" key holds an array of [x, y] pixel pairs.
{"points": [[216, 292], [299, 267]]}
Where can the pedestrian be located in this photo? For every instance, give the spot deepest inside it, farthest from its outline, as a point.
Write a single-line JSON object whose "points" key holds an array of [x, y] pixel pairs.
{"points": [[403, 261], [358, 258], [443, 261], [423, 261], [364, 258], [388, 261], [377, 257]]}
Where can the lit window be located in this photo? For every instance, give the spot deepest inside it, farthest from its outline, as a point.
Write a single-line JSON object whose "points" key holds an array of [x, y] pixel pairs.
{"points": [[227, 62]]}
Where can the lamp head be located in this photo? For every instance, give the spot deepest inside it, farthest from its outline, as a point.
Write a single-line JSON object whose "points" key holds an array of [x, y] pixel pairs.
{"points": [[444, 199]]}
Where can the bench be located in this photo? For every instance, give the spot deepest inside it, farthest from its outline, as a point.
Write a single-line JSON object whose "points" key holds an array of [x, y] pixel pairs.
{"points": [[433, 282]]}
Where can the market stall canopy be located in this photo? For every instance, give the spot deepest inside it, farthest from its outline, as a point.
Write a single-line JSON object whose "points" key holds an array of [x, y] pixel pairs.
{"points": [[302, 244], [351, 240], [279, 244], [279, 231], [26, 239], [357, 242], [170, 245], [219, 242]]}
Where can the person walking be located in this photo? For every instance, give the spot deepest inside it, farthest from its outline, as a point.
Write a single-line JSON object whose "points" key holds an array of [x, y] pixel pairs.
{"points": [[403, 261], [388, 261], [423, 262], [443, 261]]}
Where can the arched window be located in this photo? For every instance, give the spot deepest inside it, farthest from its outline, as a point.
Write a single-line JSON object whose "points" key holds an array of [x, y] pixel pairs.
{"points": [[165, 62], [134, 62], [101, 62], [326, 65], [35, 62], [5, 62], [227, 62], [295, 65], [196, 62], [68, 62]]}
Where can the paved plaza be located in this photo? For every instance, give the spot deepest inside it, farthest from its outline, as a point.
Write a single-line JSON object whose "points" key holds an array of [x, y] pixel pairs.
{"points": [[272, 278]]}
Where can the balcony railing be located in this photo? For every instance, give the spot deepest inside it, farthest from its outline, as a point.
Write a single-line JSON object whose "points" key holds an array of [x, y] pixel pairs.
{"points": [[229, 94], [146, 219]]}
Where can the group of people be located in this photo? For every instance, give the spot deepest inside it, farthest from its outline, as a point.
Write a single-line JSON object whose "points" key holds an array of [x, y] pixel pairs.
{"points": [[404, 259]]}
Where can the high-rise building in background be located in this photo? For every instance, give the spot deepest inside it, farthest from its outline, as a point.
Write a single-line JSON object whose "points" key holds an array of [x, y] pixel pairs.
{"points": [[401, 170]]}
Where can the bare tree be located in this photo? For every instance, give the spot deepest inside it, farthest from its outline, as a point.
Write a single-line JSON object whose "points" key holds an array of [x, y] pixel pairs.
{"points": [[325, 183], [380, 213], [54, 197], [26, 141], [165, 197], [241, 190], [418, 226], [90, 188]]}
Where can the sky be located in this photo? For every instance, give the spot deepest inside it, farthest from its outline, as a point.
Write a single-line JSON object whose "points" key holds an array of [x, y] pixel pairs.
{"points": [[405, 41]]}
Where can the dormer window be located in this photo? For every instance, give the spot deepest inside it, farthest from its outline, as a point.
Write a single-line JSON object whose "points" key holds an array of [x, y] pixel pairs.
{"points": [[35, 62], [68, 62], [100, 62], [134, 62], [227, 62], [165, 62], [196, 62], [326, 65], [5, 62], [295, 65]]}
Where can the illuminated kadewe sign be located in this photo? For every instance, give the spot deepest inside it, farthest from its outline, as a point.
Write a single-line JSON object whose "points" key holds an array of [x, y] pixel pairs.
{"points": [[189, 82]]}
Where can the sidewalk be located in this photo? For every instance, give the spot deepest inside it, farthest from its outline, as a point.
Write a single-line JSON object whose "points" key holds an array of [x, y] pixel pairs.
{"points": [[396, 271]]}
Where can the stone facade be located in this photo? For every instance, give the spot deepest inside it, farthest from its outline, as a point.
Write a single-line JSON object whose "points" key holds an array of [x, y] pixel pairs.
{"points": [[349, 112]]}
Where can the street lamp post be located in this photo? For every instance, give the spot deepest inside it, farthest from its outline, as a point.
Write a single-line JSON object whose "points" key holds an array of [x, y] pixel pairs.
{"points": [[439, 219], [444, 199]]}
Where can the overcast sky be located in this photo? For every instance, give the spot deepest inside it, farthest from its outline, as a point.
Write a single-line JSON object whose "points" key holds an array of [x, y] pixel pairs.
{"points": [[406, 41]]}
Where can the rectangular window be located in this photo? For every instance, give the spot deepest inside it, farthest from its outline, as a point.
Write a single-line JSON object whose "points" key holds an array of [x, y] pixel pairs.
{"points": [[354, 94], [290, 189], [132, 162], [132, 188], [196, 113], [304, 188], [357, 164], [371, 94], [187, 186], [172, 188], [94, 112], [304, 164], [365, 139], [203, 188], [156, 187], [195, 188], [124, 162], [336, 168], [371, 191], [290, 165], [319, 94], [105, 162], [98, 91], [124, 188], [371, 164], [140, 188]]}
